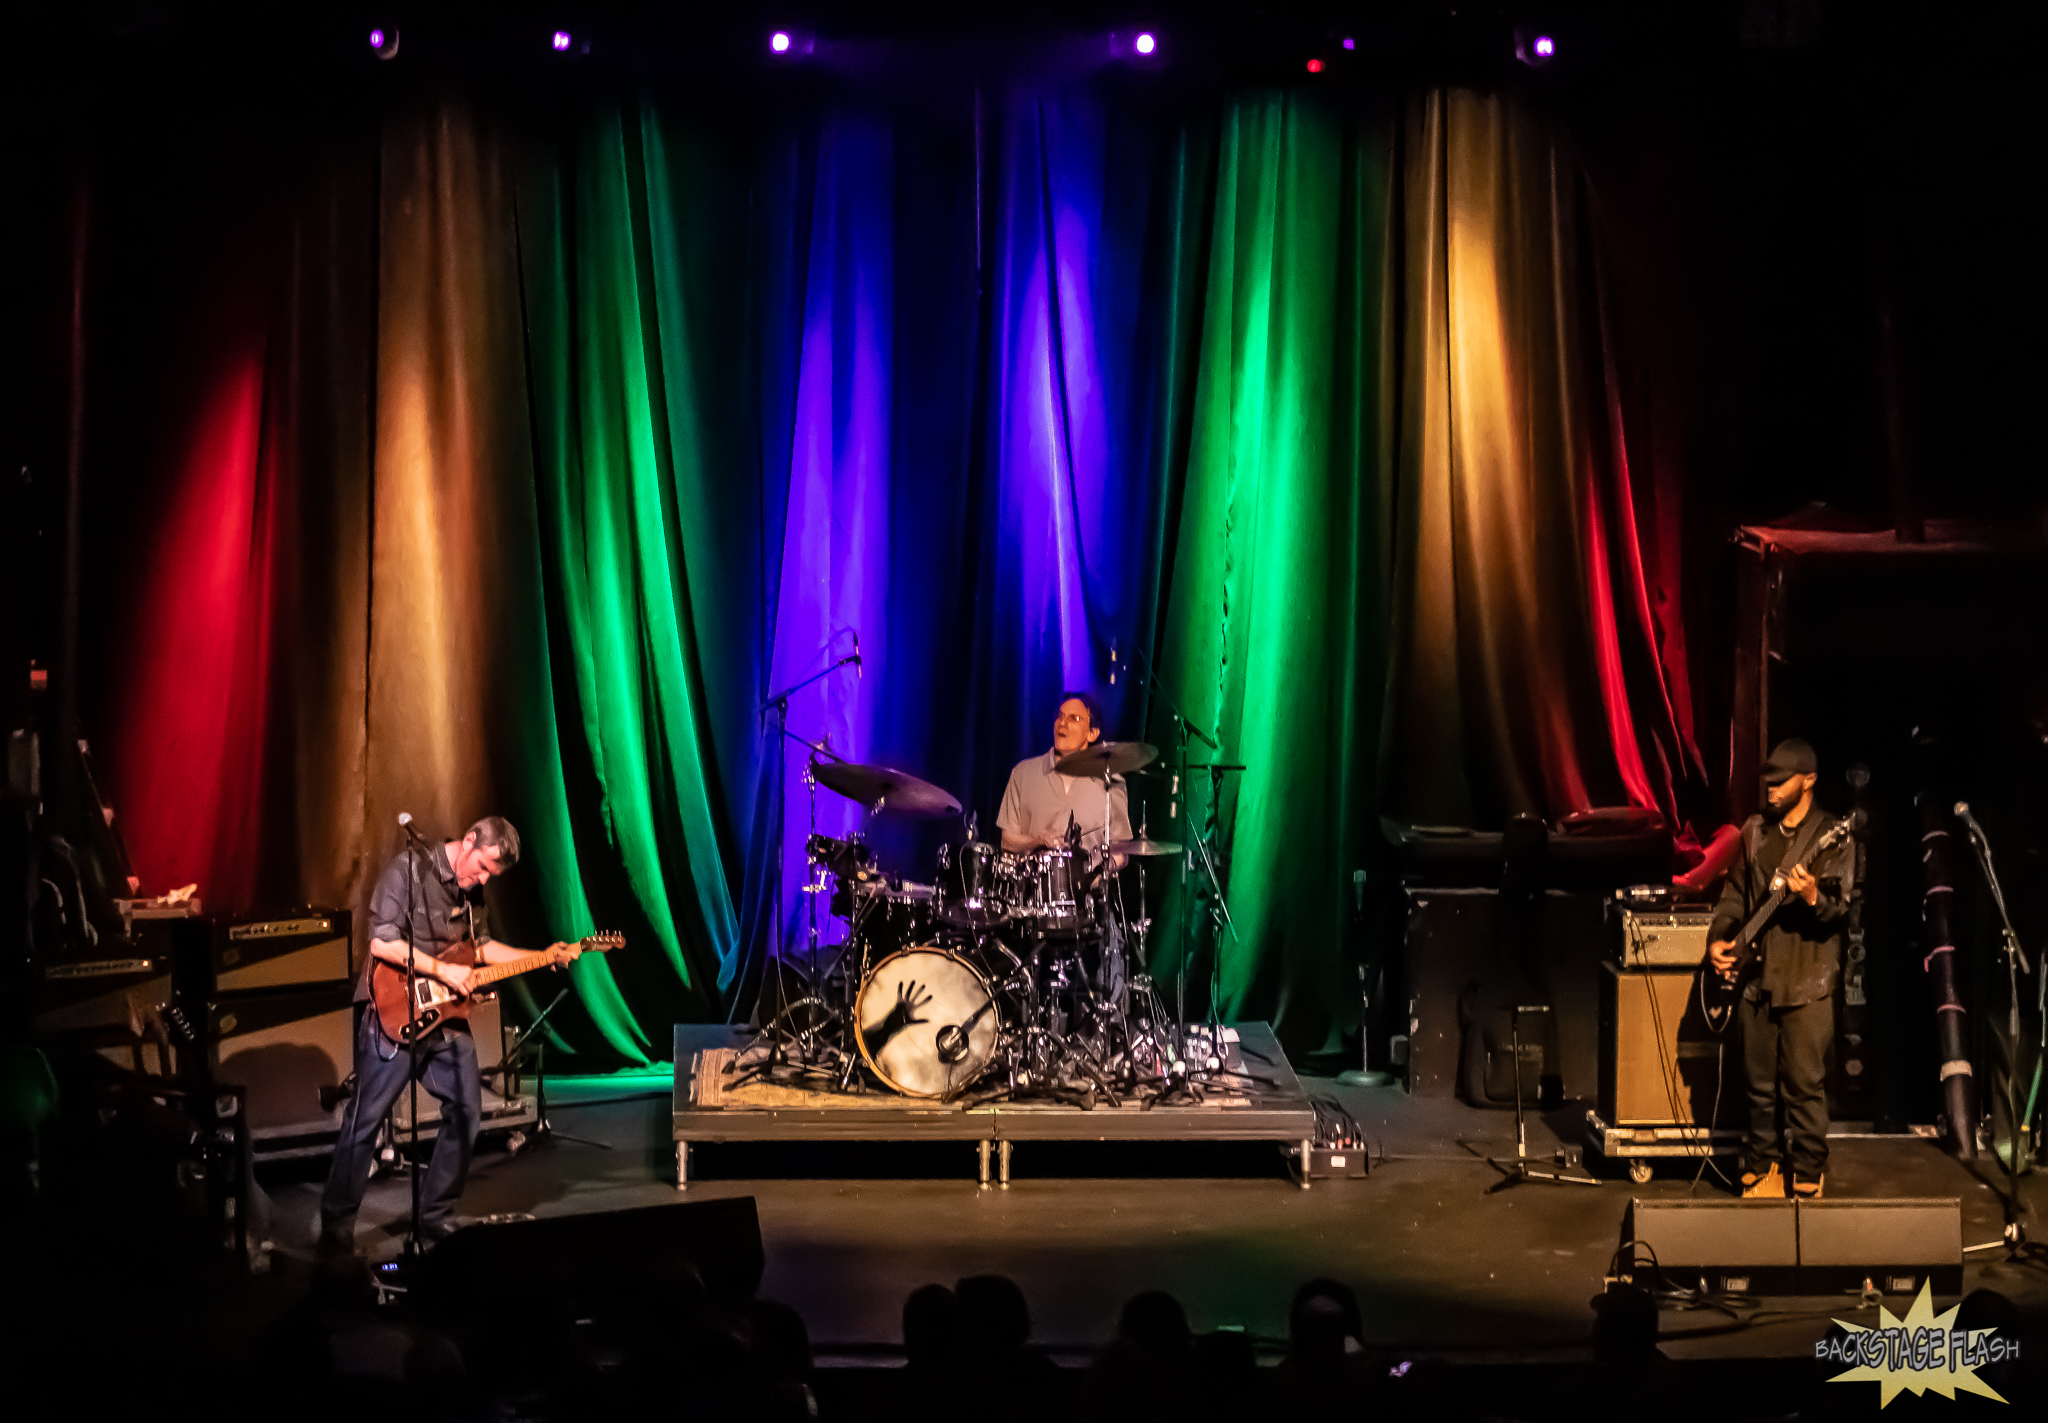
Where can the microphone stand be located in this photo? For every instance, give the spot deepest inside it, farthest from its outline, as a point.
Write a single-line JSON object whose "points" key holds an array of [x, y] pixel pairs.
{"points": [[514, 1064], [414, 846], [778, 702], [2015, 965]]}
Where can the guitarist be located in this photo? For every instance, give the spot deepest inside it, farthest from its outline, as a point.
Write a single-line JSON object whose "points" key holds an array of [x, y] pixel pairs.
{"points": [[1786, 1011], [426, 903]]}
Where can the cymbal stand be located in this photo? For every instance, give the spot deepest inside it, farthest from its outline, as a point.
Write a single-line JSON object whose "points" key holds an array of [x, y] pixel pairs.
{"points": [[1183, 728]]}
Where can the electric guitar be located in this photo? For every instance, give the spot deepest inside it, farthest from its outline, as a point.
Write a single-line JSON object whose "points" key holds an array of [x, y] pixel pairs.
{"points": [[434, 1002], [1726, 986]]}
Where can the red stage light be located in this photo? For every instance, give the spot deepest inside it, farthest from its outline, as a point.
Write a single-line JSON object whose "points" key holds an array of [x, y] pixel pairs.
{"points": [[1315, 66]]}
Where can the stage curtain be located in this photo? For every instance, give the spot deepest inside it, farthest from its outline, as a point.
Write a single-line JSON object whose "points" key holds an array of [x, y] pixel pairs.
{"points": [[1524, 673], [1272, 628], [648, 412]]}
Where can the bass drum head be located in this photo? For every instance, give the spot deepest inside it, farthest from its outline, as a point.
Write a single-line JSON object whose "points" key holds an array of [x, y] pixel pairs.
{"points": [[906, 1003]]}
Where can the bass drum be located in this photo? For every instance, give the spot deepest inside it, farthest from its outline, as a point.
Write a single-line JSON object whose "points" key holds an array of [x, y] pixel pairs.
{"points": [[927, 1022]]}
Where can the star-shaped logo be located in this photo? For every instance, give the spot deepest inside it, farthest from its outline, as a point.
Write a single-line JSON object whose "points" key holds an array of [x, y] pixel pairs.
{"points": [[1919, 1354]]}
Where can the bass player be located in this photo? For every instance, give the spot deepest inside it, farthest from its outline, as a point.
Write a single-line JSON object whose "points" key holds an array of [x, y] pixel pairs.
{"points": [[1786, 1011], [427, 905]]}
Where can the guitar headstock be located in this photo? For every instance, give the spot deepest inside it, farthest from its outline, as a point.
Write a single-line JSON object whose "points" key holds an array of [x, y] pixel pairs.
{"points": [[602, 942]]}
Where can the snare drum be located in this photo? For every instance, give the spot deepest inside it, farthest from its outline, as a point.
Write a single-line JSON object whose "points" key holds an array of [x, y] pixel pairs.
{"points": [[928, 1021]]}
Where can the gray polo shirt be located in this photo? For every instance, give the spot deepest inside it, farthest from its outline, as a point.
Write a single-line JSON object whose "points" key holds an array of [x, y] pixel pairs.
{"points": [[443, 913], [1038, 801]]}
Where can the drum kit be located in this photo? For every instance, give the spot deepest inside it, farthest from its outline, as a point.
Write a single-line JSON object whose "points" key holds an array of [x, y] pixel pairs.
{"points": [[1008, 975]]}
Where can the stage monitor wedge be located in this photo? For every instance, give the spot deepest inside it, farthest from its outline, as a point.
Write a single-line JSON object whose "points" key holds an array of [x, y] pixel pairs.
{"points": [[597, 1265], [1800, 1247]]}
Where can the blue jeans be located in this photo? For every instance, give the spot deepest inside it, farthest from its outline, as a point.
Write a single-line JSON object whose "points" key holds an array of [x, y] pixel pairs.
{"points": [[448, 1070]]}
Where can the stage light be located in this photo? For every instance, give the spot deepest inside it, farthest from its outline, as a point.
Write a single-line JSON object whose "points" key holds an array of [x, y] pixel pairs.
{"points": [[384, 42], [779, 42], [1534, 48], [1315, 66], [1350, 43], [561, 41], [1137, 46], [790, 44]]}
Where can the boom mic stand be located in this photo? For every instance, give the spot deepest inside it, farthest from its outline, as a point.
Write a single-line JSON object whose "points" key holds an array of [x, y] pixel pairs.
{"points": [[514, 1066], [2015, 965], [778, 702]]}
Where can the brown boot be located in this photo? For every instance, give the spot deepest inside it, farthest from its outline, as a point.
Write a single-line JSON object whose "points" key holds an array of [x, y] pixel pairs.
{"points": [[1807, 1188], [1769, 1186]]}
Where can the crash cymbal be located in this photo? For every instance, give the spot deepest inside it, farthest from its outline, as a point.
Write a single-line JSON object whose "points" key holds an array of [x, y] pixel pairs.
{"points": [[1107, 758], [1142, 847], [884, 788]]}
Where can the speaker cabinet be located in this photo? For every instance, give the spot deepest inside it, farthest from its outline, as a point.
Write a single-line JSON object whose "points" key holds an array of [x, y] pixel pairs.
{"points": [[1895, 1244], [291, 1049], [1660, 1063], [595, 1266], [1802, 1247], [1467, 963], [1734, 1247]]}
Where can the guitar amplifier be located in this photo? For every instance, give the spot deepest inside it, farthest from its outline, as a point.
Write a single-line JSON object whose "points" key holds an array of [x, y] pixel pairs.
{"points": [[304, 948], [1666, 939]]}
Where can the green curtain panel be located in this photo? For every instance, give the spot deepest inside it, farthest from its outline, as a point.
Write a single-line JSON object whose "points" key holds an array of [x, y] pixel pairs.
{"points": [[1273, 632]]}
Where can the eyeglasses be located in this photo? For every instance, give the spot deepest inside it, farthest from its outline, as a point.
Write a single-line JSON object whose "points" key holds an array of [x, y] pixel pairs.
{"points": [[1077, 718]]}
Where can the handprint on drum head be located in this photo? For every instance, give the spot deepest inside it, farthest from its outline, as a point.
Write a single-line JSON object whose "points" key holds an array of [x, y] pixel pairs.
{"points": [[910, 996]]}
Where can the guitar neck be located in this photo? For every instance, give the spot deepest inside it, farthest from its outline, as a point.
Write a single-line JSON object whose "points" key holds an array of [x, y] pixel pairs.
{"points": [[1747, 936], [511, 968]]}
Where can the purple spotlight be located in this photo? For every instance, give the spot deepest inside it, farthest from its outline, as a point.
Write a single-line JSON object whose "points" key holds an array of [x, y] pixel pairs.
{"points": [[779, 41], [561, 41], [1545, 46], [1350, 43], [376, 39], [1145, 43]]}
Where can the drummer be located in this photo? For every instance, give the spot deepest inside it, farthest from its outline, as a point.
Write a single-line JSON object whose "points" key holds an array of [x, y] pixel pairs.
{"points": [[1039, 802]]}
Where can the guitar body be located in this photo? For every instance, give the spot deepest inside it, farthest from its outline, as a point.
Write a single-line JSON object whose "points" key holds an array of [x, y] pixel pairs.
{"points": [[433, 1002]]}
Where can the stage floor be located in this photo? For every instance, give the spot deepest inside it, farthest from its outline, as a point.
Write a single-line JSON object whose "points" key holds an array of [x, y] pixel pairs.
{"points": [[1441, 1267]]}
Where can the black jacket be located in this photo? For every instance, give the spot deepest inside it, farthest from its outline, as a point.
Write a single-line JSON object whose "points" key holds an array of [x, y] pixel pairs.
{"points": [[1802, 945]]}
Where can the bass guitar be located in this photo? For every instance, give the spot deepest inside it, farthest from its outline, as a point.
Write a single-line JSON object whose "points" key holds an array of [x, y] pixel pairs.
{"points": [[433, 1002], [1723, 987]]}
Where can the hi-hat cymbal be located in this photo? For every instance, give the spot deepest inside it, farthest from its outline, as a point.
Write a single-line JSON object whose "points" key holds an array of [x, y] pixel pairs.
{"points": [[884, 788], [1107, 758], [1142, 847]]}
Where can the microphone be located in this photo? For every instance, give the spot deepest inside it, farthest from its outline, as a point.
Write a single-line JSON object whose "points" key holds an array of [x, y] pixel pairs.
{"points": [[1963, 814], [404, 817]]}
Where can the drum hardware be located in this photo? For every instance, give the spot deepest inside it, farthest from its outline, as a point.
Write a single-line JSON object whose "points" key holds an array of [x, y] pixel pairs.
{"points": [[1002, 978]]}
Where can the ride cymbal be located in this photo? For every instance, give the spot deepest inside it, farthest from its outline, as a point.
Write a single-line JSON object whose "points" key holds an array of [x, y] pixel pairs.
{"points": [[1107, 758], [884, 788]]}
